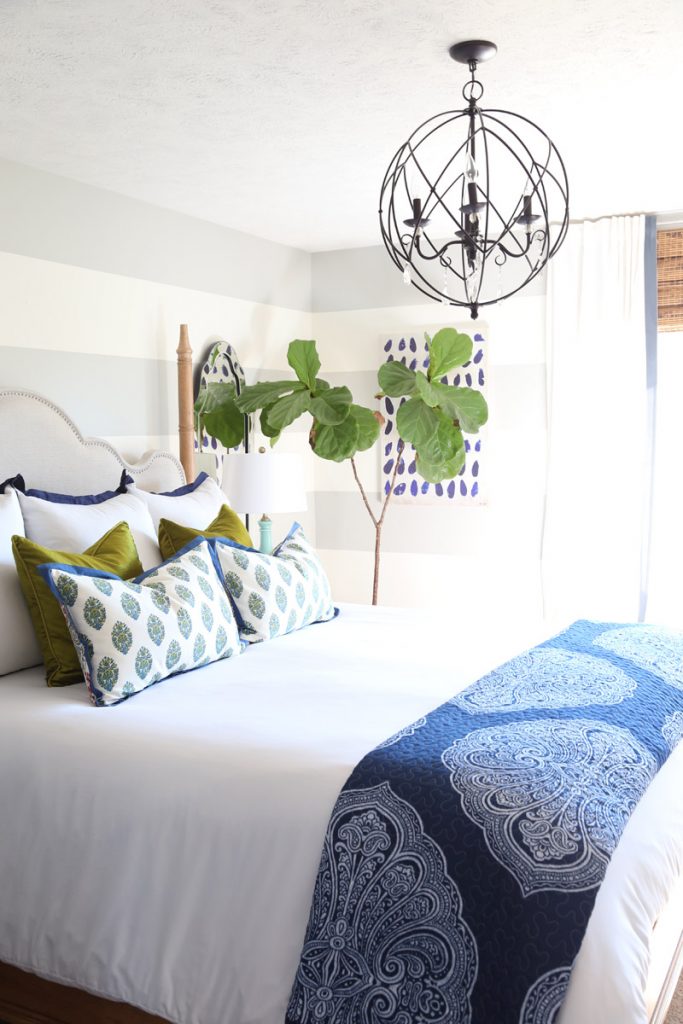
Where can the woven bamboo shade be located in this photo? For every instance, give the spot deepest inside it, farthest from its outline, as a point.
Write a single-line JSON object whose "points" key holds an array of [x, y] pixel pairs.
{"points": [[670, 280]]}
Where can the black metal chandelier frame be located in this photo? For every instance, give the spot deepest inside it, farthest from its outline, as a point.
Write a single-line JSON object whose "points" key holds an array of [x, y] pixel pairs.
{"points": [[465, 256]]}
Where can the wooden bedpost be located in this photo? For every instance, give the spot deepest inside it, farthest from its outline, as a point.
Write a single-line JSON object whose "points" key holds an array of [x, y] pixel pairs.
{"points": [[185, 403]]}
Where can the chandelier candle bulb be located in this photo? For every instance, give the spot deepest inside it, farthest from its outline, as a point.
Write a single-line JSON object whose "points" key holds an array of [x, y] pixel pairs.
{"points": [[471, 172], [460, 241]]}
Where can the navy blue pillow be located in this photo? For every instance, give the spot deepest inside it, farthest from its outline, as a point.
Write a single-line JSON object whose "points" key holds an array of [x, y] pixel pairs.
{"points": [[67, 499]]}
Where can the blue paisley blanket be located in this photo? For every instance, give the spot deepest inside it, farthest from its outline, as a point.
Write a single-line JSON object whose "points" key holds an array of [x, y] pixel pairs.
{"points": [[463, 856]]}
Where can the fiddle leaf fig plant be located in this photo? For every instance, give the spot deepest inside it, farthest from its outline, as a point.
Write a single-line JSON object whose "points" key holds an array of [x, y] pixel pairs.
{"points": [[432, 415], [339, 428]]}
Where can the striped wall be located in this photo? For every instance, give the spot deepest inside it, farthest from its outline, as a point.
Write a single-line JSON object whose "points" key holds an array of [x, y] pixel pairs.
{"points": [[94, 285]]}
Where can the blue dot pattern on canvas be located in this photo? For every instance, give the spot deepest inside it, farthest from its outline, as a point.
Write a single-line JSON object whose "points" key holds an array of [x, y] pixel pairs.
{"points": [[277, 593], [179, 618], [468, 487]]}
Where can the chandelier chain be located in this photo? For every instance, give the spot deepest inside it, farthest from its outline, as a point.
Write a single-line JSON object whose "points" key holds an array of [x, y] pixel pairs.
{"points": [[469, 92]]}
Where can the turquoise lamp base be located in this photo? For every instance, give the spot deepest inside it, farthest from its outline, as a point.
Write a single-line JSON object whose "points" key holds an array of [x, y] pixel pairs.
{"points": [[266, 531]]}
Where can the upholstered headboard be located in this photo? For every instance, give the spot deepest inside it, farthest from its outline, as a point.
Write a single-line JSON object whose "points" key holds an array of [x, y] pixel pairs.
{"points": [[38, 440]]}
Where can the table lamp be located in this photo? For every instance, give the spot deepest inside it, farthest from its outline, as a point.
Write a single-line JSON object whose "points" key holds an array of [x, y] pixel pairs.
{"points": [[264, 482]]}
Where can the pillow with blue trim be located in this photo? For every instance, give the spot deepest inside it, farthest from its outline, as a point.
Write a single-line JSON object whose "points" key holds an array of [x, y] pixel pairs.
{"points": [[277, 593], [67, 522], [192, 505], [19, 484], [129, 635]]}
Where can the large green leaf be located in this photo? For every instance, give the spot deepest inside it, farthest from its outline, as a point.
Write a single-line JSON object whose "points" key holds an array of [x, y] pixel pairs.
{"points": [[447, 349], [332, 405], [437, 472], [416, 422], [213, 394], [219, 414], [445, 443], [256, 396], [426, 390], [226, 424], [336, 442], [396, 380], [303, 357], [288, 408], [368, 426], [465, 405], [266, 429]]}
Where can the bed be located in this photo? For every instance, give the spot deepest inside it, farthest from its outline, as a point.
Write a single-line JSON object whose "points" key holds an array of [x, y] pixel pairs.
{"points": [[157, 858]]}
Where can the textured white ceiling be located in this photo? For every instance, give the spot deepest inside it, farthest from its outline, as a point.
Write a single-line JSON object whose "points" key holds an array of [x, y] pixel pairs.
{"points": [[278, 117]]}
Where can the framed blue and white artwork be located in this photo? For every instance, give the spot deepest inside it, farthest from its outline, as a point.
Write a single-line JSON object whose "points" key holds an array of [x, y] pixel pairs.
{"points": [[469, 486]]}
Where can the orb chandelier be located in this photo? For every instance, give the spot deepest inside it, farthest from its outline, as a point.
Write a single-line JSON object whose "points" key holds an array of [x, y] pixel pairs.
{"points": [[475, 203]]}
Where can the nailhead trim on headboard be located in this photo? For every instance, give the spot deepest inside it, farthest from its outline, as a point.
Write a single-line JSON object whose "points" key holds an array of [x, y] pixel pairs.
{"points": [[136, 470]]}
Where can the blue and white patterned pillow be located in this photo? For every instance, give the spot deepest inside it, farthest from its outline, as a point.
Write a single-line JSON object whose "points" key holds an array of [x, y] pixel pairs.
{"points": [[129, 635], [276, 593]]}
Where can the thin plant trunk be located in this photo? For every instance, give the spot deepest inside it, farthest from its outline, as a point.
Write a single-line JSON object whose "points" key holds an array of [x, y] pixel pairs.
{"points": [[378, 521]]}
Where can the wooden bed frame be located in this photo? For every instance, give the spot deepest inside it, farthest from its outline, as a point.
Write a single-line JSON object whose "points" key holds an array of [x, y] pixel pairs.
{"points": [[27, 999], [185, 403], [672, 979]]}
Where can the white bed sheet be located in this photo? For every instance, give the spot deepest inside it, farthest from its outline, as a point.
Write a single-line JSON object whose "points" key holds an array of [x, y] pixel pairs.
{"points": [[163, 852]]}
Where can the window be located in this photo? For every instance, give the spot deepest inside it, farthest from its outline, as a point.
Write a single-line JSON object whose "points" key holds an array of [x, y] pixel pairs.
{"points": [[670, 279]]}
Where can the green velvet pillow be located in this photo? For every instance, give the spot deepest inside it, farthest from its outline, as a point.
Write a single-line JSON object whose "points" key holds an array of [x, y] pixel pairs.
{"points": [[173, 536], [114, 552]]}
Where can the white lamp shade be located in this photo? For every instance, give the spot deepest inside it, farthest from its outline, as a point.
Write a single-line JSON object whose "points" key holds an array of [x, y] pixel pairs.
{"points": [[264, 482]]}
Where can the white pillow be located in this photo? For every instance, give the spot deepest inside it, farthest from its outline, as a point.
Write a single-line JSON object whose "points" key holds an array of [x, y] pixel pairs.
{"points": [[64, 526], [18, 645], [130, 635], [194, 505]]}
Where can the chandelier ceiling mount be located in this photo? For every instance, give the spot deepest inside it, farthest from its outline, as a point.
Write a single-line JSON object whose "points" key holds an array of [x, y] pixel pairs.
{"points": [[477, 50]]}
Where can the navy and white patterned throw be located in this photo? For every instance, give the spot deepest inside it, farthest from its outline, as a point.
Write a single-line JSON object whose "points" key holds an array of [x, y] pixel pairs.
{"points": [[464, 854]]}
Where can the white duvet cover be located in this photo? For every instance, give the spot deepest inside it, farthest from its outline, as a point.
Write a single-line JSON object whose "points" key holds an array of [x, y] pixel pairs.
{"points": [[163, 852]]}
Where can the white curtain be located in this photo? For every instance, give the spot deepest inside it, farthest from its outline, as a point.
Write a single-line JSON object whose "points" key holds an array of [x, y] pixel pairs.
{"points": [[597, 423]]}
